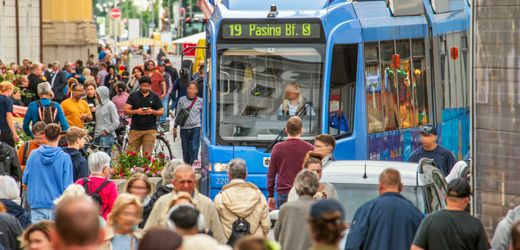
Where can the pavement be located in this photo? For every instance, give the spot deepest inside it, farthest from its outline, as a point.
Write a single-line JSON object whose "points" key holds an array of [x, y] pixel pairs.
{"points": [[175, 146]]}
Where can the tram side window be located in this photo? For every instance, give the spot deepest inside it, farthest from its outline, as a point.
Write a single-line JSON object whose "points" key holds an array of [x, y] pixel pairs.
{"points": [[389, 87], [374, 99], [407, 112], [419, 83], [342, 89]]}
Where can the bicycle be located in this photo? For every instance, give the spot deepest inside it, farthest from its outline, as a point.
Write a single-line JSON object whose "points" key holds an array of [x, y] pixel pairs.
{"points": [[161, 146]]}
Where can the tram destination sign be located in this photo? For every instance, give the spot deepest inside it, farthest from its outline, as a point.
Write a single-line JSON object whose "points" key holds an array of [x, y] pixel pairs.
{"points": [[289, 30]]}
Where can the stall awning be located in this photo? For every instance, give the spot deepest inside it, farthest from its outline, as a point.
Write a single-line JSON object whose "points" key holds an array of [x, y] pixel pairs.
{"points": [[191, 39]]}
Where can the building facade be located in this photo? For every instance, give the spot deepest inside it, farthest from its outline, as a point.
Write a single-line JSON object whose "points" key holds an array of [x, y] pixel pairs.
{"points": [[20, 30], [68, 30], [496, 71]]}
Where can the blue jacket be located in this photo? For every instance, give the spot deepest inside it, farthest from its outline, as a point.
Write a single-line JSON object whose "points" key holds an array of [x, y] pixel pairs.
{"points": [[47, 173], [79, 164], [17, 211], [387, 222], [31, 116]]}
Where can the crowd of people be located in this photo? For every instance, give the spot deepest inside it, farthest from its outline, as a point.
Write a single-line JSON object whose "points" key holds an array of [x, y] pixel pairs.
{"points": [[52, 197]]}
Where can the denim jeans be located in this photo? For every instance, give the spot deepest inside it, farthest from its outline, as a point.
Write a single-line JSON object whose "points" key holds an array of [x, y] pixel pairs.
{"points": [[39, 214], [165, 108], [106, 142], [281, 199], [190, 141]]}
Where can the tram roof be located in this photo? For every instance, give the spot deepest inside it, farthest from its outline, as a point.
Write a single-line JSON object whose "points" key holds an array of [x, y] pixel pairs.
{"points": [[374, 17]]}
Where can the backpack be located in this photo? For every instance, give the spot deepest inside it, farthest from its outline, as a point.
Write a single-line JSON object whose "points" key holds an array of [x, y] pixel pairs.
{"points": [[47, 114], [95, 195], [239, 229]]}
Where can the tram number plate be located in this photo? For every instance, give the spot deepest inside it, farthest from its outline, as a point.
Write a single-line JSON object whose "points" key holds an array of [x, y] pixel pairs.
{"points": [[271, 30]]}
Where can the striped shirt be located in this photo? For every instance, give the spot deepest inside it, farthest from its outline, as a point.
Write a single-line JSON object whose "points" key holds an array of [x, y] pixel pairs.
{"points": [[194, 118], [102, 74]]}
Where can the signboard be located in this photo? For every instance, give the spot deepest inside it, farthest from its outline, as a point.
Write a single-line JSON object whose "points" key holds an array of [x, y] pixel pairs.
{"points": [[290, 30], [135, 60], [102, 25], [133, 28], [115, 13]]}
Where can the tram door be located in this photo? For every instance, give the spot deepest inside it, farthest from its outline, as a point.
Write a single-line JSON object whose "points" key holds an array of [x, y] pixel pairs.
{"points": [[342, 98]]}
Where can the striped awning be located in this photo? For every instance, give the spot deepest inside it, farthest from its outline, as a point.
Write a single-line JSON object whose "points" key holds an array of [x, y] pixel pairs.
{"points": [[140, 42]]}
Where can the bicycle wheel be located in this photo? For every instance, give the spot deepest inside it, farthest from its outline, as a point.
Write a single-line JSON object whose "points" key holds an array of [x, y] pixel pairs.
{"points": [[162, 146]]}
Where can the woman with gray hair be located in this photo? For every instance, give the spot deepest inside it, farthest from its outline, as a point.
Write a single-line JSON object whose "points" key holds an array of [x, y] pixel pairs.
{"points": [[51, 112], [163, 188], [288, 229], [8, 193], [102, 190]]}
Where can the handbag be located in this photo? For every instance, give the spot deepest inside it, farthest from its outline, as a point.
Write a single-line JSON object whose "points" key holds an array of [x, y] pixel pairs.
{"points": [[183, 114]]}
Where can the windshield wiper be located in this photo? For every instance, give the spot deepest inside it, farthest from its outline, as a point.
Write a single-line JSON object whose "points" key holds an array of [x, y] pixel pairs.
{"points": [[300, 113]]}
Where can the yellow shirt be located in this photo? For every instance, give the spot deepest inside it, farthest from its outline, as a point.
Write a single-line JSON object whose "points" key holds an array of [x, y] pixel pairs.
{"points": [[74, 110]]}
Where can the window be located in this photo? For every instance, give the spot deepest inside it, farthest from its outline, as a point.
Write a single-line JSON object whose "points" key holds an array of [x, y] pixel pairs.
{"points": [[373, 89], [407, 113], [389, 87], [464, 69], [445, 75], [419, 85], [353, 196], [342, 89], [260, 87]]}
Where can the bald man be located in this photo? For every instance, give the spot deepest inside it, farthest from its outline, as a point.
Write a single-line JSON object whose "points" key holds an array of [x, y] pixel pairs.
{"points": [[184, 181], [77, 225], [387, 222]]}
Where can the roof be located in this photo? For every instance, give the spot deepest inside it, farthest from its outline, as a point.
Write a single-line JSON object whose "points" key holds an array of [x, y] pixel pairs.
{"points": [[280, 5], [352, 172], [379, 24]]}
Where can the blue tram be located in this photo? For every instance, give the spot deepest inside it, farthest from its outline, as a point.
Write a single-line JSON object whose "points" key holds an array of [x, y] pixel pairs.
{"points": [[367, 72]]}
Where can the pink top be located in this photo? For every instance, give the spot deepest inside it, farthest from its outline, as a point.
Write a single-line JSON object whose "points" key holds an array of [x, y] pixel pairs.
{"points": [[108, 194], [120, 101]]}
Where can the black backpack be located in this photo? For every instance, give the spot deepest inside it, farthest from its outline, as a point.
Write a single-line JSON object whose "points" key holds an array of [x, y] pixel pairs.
{"points": [[47, 114], [239, 229], [95, 195]]}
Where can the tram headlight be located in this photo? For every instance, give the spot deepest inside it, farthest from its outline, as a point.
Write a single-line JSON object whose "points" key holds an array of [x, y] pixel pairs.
{"points": [[220, 167]]}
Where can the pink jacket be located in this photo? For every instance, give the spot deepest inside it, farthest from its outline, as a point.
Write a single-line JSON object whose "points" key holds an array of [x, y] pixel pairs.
{"points": [[108, 194]]}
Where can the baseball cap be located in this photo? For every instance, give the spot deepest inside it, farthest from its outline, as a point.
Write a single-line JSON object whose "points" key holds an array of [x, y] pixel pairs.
{"points": [[326, 206], [459, 188], [428, 129]]}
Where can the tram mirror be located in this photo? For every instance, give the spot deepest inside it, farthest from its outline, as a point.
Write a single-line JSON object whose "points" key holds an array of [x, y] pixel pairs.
{"points": [[185, 72]]}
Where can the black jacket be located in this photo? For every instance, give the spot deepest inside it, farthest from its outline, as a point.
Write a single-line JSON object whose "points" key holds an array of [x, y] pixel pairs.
{"points": [[161, 190], [173, 72], [17, 211], [79, 164], [34, 80], [59, 84], [10, 230], [9, 164]]}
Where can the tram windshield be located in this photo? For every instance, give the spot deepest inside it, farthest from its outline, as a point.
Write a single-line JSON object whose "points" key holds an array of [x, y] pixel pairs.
{"points": [[259, 88]]}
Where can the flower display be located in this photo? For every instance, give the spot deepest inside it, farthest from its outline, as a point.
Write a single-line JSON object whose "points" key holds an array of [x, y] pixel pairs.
{"points": [[131, 162]]}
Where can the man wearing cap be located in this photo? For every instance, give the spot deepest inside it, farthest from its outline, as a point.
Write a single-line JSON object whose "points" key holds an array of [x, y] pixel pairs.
{"points": [[443, 158], [387, 222], [452, 228]]}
